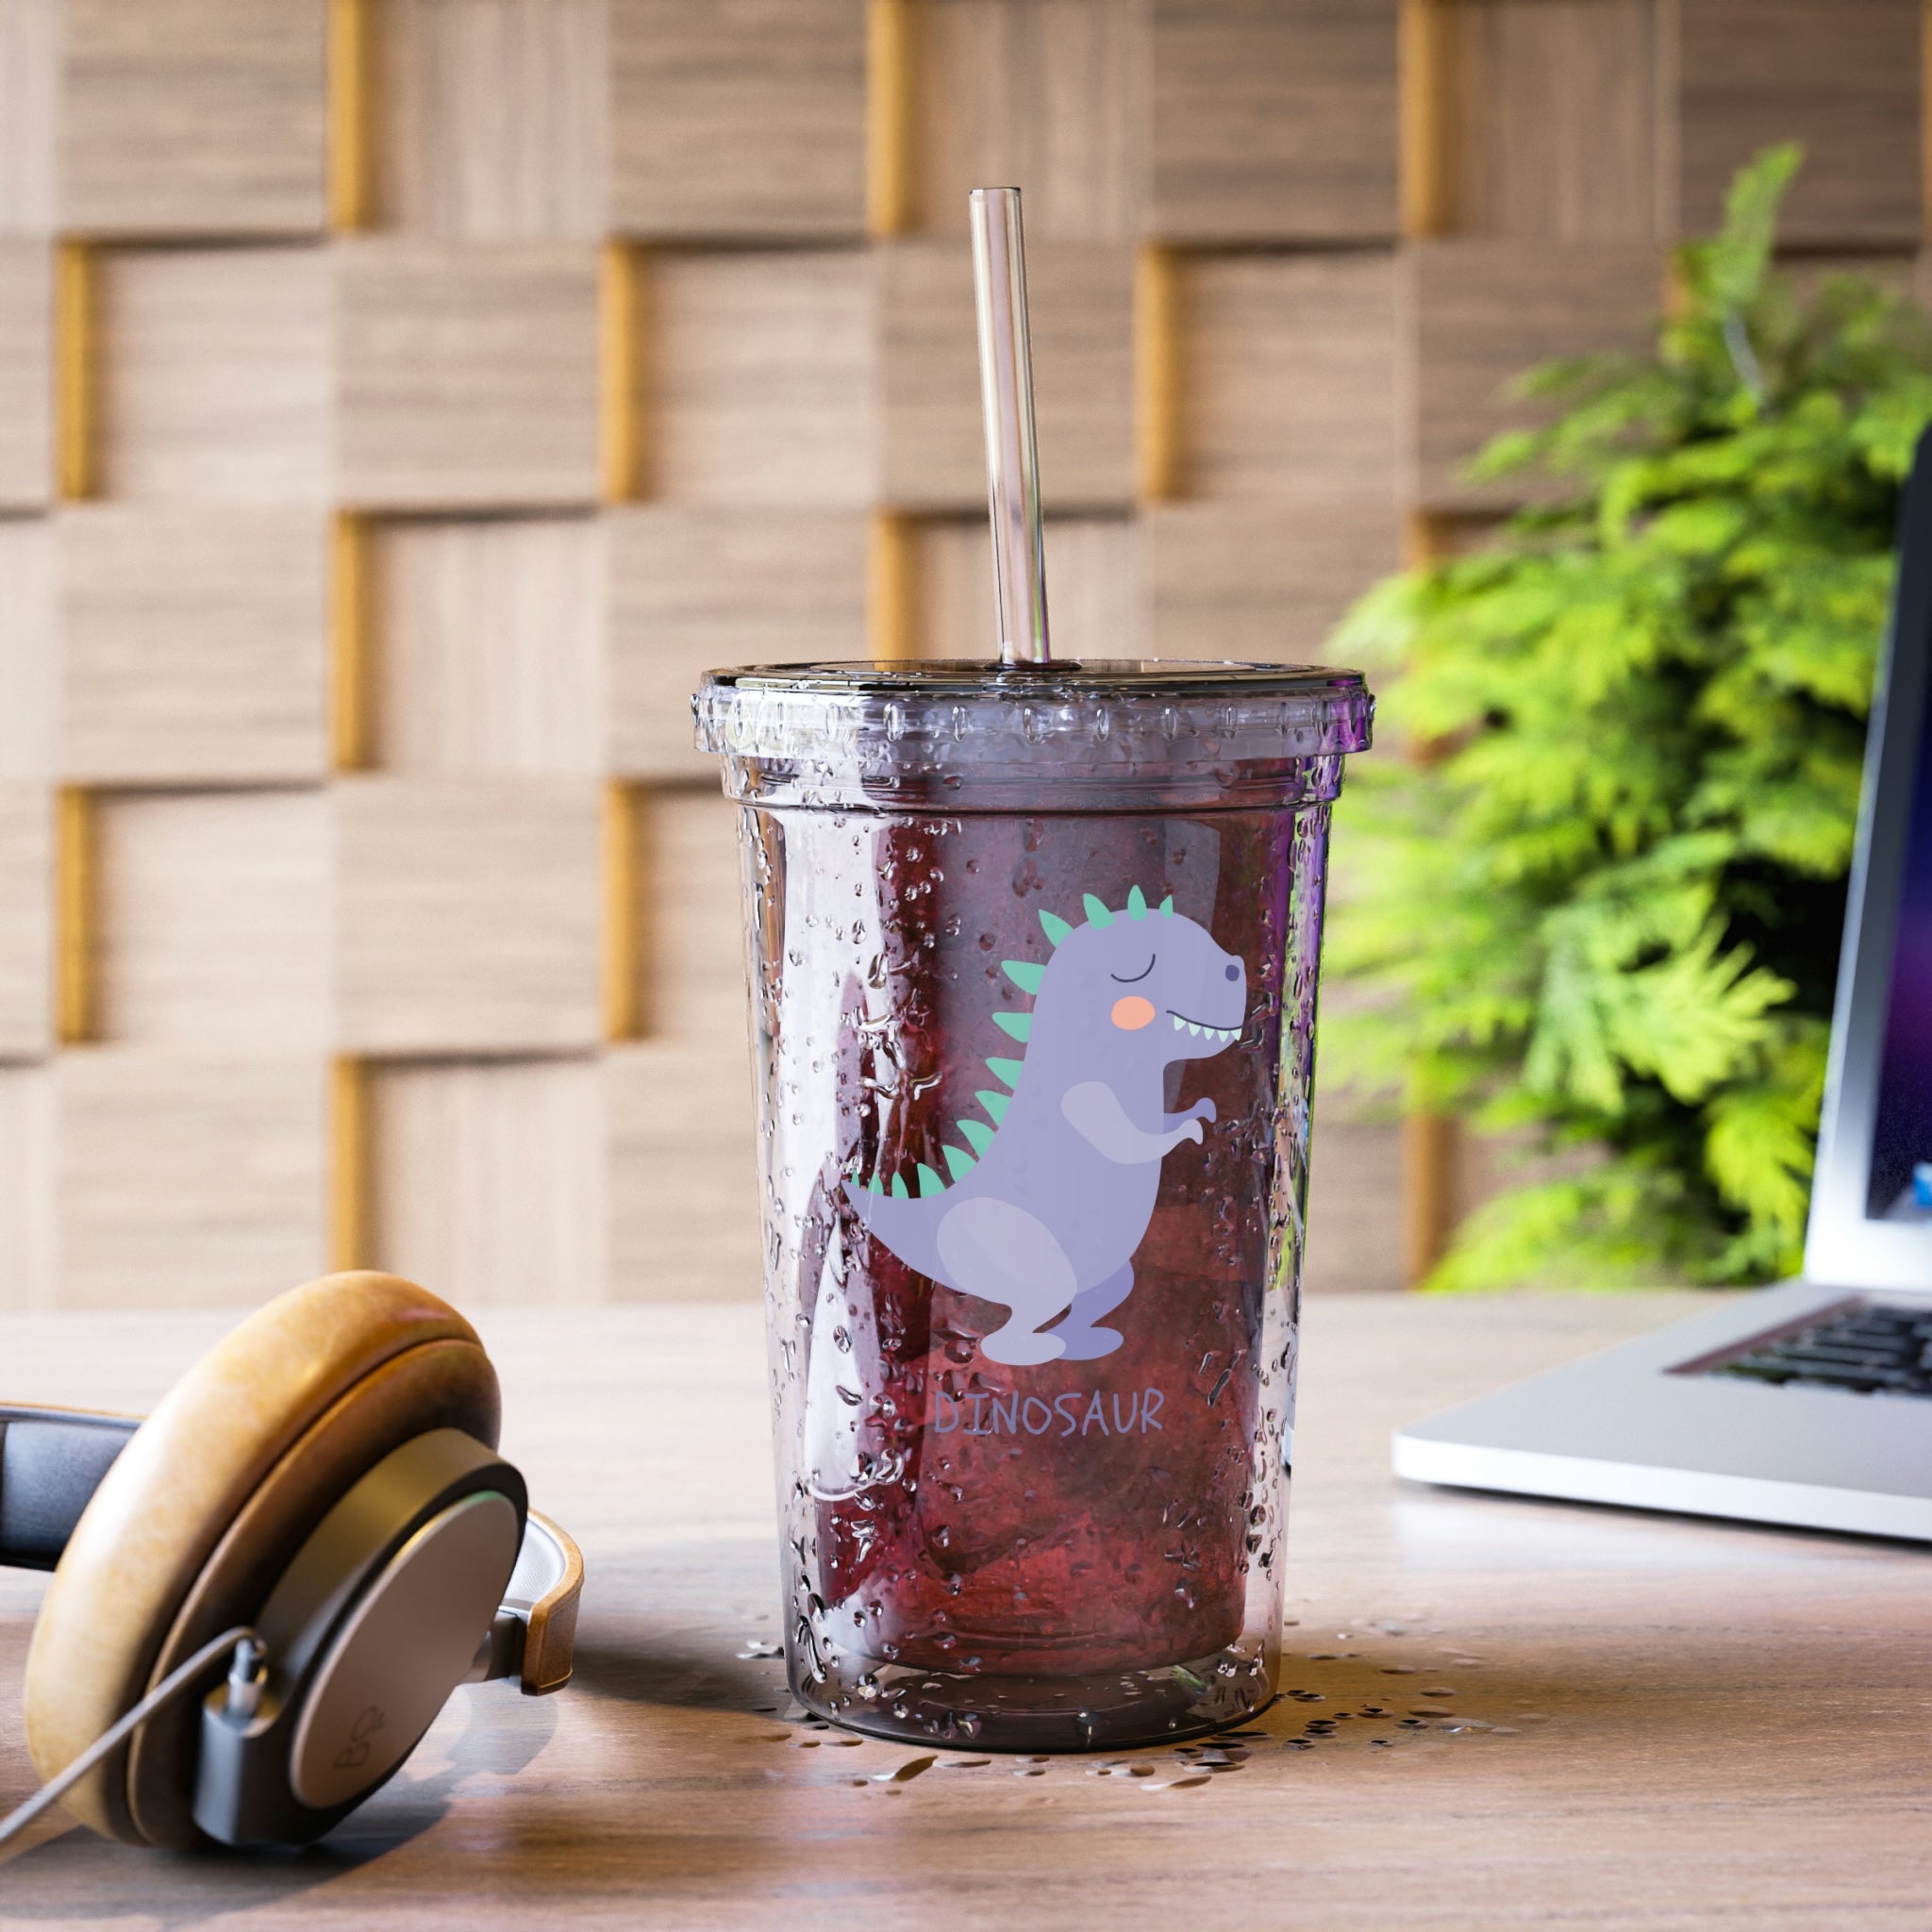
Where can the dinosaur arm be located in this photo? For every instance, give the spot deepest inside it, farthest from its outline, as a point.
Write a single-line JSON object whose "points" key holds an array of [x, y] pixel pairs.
{"points": [[1094, 1111]]}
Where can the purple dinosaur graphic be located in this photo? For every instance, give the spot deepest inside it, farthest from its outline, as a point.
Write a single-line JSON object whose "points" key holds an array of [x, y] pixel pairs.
{"points": [[1044, 1215]]}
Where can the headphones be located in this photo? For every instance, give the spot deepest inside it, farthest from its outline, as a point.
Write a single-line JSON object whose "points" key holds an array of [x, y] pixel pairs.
{"points": [[320, 1500]]}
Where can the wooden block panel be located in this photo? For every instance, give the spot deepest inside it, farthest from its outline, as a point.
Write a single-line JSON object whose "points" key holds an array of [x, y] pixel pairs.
{"points": [[489, 117], [214, 373], [762, 378], [1286, 368], [26, 921], [1095, 606], [1273, 120], [1843, 76], [1480, 314], [29, 114], [489, 1179], [192, 644], [683, 1174], [1552, 120], [468, 375], [28, 1278], [212, 919], [26, 374], [691, 919], [1241, 580], [29, 660], [1080, 299], [194, 117], [738, 117], [488, 652], [468, 915], [1354, 1205], [695, 588], [1046, 93], [186, 1179]]}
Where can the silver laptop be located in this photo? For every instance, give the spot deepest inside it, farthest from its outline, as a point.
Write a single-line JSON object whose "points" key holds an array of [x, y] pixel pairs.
{"points": [[1809, 1403]]}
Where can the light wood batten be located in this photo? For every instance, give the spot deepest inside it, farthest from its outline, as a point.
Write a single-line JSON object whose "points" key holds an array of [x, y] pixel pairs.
{"points": [[350, 93], [1431, 1150], [350, 1166], [622, 351], [75, 351], [891, 146], [891, 587], [75, 900], [623, 913], [1156, 373], [351, 668], [1426, 107]]}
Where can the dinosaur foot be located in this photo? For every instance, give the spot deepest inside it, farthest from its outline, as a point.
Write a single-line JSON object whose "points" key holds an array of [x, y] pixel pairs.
{"points": [[1090, 1345], [1021, 1348]]}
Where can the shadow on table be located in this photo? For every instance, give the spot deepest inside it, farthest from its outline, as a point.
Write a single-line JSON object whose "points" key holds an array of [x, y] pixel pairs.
{"points": [[78, 1874]]}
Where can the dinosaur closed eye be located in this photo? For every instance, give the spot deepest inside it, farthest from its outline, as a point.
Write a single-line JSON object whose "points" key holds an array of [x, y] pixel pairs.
{"points": [[1134, 978]]}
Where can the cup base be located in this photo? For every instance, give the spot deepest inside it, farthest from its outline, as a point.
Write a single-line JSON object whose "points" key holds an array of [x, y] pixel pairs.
{"points": [[1108, 1710]]}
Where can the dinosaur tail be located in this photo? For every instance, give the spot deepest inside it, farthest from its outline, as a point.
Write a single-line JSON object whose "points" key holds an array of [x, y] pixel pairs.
{"points": [[909, 1226]]}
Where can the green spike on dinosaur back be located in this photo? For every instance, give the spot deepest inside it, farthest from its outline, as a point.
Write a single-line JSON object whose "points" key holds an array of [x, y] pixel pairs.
{"points": [[958, 1160], [996, 1104], [1023, 975], [929, 1182], [1137, 904], [1167, 906], [874, 1186], [1007, 1070], [977, 1132], [1097, 913], [1018, 1025], [1054, 927], [900, 1191]]}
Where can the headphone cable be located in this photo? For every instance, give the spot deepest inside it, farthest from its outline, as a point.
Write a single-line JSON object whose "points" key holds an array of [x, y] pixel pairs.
{"points": [[246, 1644]]}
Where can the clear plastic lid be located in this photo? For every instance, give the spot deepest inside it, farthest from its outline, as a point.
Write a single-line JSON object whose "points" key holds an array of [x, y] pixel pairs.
{"points": [[1072, 735]]}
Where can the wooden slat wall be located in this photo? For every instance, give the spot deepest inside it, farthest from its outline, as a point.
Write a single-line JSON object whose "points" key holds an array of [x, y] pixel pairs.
{"points": [[402, 400]]}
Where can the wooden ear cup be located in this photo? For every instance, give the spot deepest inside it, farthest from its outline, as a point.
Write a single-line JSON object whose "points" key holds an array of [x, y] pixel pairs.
{"points": [[207, 1504]]}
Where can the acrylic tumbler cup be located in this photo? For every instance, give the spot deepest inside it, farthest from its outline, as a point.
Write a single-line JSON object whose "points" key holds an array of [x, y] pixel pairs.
{"points": [[1033, 959]]}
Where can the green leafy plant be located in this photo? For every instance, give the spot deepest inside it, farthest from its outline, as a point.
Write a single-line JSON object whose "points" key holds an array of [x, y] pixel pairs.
{"points": [[1606, 910]]}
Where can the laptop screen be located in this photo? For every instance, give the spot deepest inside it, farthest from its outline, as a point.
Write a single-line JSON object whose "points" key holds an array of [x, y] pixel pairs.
{"points": [[1900, 1187]]}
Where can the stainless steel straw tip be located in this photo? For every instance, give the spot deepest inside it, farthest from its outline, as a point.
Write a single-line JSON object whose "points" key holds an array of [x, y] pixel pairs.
{"points": [[1012, 459]]}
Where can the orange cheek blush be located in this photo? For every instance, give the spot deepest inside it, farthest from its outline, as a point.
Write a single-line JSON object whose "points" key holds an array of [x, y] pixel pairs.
{"points": [[1132, 1013]]}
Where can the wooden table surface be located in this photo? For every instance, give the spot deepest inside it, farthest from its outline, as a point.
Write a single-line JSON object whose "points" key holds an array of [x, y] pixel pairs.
{"points": [[1675, 1724]]}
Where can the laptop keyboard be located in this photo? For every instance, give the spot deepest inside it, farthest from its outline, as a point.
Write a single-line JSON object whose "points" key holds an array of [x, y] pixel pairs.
{"points": [[1869, 1349]]}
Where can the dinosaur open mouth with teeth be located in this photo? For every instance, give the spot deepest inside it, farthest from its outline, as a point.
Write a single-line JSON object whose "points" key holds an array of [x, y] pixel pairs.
{"points": [[1182, 1023]]}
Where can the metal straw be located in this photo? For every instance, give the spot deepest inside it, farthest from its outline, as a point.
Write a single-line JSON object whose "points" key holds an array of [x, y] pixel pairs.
{"points": [[1005, 390]]}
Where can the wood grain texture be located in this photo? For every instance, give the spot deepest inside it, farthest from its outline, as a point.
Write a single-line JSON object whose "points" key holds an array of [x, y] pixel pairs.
{"points": [[192, 643], [1552, 120], [26, 921], [682, 1173], [1081, 304], [29, 650], [738, 117], [1478, 315], [215, 375], [491, 1179], [762, 372], [468, 373], [1288, 379], [1092, 580], [1701, 1723], [692, 944], [1273, 120], [488, 645], [1354, 1200], [1843, 76], [211, 922], [26, 374], [467, 915], [489, 118], [28, 1278], [693, 588], [184, 1179], [1048, 95], [193, 117], [29, 114], [1252, 580]]}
